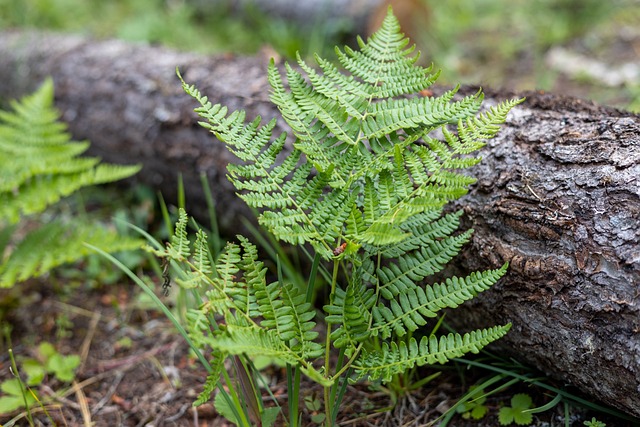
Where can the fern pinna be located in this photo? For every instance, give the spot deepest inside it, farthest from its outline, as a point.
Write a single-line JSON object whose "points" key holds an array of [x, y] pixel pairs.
{"points": [[364, 184]]}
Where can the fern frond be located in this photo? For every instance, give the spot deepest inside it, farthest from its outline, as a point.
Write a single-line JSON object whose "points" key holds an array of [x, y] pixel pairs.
{"points": [[57, 243], [409, 308], [392, 115], [202, 254], [253, 341], [180, 246], [385, 64], [424, 229], [361, 145], [217, 364], [302, 325], [396, 358], [230, 292], [282, 309], [350, 310], [38, 160], [416, 266]]}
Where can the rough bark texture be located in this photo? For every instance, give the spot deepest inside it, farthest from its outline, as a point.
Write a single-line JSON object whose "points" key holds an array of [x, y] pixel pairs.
{"points": [[558, 194]]}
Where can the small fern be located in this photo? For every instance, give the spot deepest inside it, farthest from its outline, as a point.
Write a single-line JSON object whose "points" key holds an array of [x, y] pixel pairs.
{"points": [[364, 184], [38, 166]]}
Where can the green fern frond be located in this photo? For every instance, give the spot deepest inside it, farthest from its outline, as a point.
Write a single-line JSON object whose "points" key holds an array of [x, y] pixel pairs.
{"points": [[202, 254], [58, 243], [280, 306], [301, 323], [350, 310], [227, 286], [179, 249], [38, 161], [396, 358], [425, 229], [210, 384], [39, 165], [180, 246], [385, 64], [415, 266], [253, 341], [363, 162], [409, 307], [238, 291]]}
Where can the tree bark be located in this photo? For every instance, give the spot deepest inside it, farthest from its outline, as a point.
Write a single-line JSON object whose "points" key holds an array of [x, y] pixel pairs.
{"points": [[558, 192], [558, 196]]}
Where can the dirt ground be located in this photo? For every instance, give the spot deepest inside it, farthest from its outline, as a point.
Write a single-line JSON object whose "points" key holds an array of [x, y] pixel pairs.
{"points": [[136, 371]]}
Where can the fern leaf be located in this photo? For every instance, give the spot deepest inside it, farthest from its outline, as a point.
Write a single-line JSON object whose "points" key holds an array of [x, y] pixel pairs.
{"points": [[202, 254], [213, 378], [385, 64], [358, 146], [396, 358], [180, 246], [415, 266], [408, 310], [254, 341], [38, 160], [390, 116], [229, 292], [424, 229], [58, 243], [350, 311], [301, 313], [284, 312]]}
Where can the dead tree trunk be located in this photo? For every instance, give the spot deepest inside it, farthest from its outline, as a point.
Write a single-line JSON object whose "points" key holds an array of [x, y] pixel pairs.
{"points": [[558, 194]]}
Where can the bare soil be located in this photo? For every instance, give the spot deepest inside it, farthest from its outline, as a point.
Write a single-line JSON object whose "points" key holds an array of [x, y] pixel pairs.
{"points": [[137, 371]]}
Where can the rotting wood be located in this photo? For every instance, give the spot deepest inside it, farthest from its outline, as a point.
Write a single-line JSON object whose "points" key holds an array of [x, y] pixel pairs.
{"points": [[558, 194]]}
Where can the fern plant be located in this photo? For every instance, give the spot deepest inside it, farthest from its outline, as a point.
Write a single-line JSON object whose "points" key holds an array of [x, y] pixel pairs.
{"points": [[39, 165], [364, 184]]}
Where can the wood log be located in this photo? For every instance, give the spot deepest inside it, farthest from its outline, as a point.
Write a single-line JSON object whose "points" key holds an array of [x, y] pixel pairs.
{"points": [[558, 194]]}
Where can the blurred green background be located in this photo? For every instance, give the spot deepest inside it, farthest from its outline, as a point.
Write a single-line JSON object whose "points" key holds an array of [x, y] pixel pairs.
{"points": [[585, 48]]}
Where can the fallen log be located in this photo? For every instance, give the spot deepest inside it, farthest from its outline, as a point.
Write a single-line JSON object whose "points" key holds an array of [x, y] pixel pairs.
{"points": [[558, 194]]}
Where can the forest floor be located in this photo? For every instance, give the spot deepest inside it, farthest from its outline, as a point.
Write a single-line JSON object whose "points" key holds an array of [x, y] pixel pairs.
{"points": [[137, 371]]}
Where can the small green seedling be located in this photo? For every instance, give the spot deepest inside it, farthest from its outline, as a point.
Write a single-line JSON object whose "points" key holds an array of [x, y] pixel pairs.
{"points": [[594, 423], [314, 405], [474, 409], [62, 367], [518, 412], [15, 396], [18, 394]]}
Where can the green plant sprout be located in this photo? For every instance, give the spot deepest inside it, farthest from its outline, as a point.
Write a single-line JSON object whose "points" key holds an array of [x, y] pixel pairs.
{"points": [[594, 423], [39, 165], [507, 373], [474, 409], [518, 412], [521, 410], [19, 394]]}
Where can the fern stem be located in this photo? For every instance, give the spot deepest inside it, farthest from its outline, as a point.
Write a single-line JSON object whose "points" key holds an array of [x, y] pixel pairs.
{"points": [[327, 349]]}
